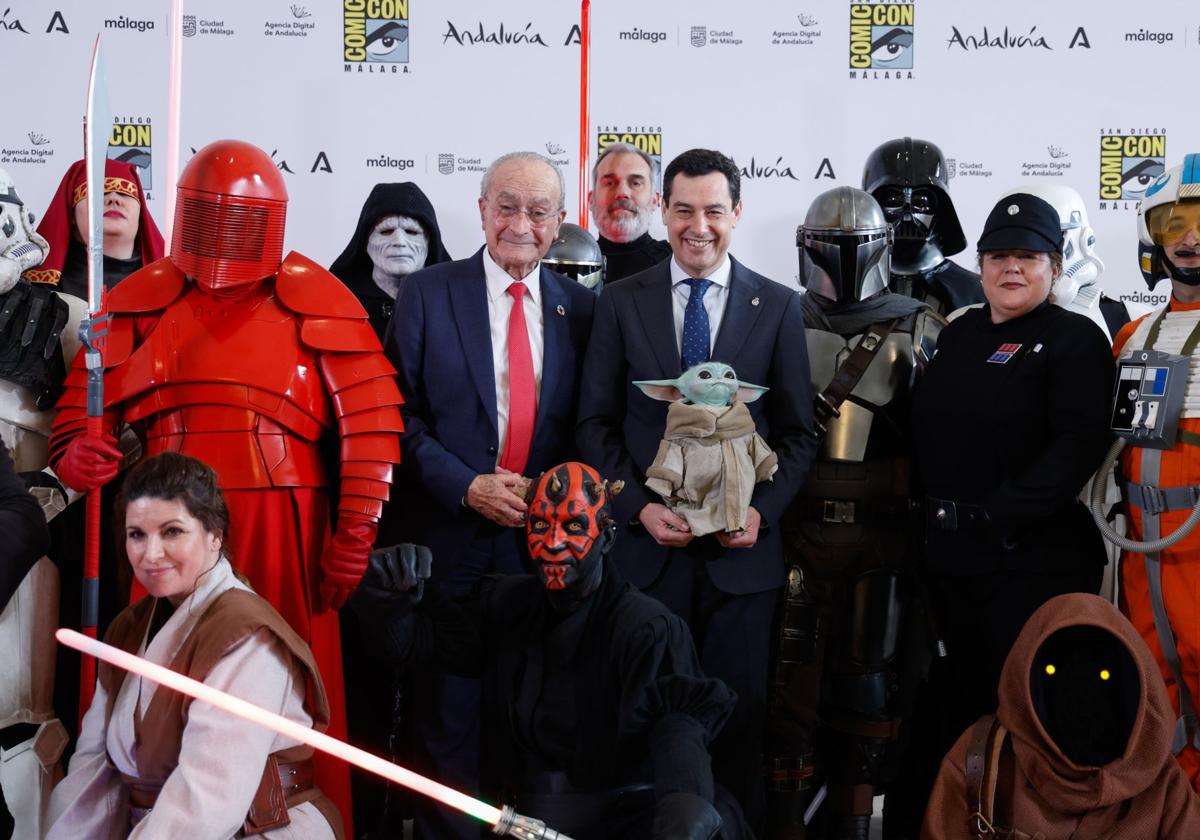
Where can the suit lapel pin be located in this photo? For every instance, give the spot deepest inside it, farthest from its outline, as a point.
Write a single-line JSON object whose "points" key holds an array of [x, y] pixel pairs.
{"points": [[754, 301], [560, 310]]}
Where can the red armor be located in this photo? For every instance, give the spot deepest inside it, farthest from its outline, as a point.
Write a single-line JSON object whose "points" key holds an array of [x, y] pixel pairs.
{"points": [[249, 377]]}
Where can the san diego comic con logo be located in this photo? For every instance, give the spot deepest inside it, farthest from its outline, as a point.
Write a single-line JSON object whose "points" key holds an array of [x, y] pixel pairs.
{"points": [[881, 40], [1130, 161], [375, 34], [131, 142], [646, 139]]}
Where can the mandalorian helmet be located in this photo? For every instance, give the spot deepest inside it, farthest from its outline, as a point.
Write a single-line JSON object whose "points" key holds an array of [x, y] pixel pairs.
{"points": [[844, 245], [229, 216], [908, 177], [1168, 221], [576, 253]]}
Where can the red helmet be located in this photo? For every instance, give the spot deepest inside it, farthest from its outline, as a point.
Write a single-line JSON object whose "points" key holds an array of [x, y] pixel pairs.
{"points": [[229, 216]]}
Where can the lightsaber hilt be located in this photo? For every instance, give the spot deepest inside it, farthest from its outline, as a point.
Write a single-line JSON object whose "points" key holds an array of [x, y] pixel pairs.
{"points": [[526, 828]]}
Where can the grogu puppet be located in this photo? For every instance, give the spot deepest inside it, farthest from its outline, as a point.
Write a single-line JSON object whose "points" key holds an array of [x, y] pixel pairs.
{"points": [[711, 456]]}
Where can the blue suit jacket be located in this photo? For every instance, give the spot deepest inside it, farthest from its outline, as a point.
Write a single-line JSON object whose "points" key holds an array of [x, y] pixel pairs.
{"points": [[633, 337], [440, 343]]}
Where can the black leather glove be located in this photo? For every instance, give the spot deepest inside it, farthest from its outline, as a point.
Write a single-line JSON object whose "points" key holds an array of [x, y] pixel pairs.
{"points": [[397, 572], [685, 816]]}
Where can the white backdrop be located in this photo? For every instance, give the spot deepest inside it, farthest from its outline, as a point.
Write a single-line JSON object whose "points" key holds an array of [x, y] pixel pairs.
{"points": [[1013, 92]]}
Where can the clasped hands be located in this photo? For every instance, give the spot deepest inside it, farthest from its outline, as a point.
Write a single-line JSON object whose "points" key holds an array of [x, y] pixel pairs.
{"points": [[669, 529], [499, 496]]}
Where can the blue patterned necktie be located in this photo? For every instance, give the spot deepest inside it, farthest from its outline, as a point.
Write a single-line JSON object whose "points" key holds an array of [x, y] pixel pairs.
{"points": [[695, 325]]}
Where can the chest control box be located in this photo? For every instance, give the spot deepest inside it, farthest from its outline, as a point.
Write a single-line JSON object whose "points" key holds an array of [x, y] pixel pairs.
{"points": [[1148, 399]]}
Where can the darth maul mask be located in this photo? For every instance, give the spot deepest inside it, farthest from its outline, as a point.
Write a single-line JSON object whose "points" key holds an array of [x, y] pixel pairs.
{"points": [[569, 529]]}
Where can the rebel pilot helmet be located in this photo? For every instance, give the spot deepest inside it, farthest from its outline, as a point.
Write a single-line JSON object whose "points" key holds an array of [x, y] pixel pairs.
{"points": [[1169, 225], [844, 246], [576, 253], [229, 216], [908, 177]]}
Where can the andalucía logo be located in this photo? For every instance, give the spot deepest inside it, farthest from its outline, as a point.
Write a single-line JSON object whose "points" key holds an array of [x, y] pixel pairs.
{"points": [[375, 36], [130, 143], [645, 138], [881, 39], [1129, 163]]}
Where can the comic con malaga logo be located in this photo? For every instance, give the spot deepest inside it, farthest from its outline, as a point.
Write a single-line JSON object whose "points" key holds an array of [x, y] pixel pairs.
{"points": [[375, 36], [1129, 164], [881, 40]]}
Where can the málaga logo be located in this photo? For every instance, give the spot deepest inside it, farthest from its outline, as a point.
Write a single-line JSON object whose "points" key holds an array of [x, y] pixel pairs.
{"points": [[646, 139], [881, 40], [1129, 163], [375, 36], [130, 142]]}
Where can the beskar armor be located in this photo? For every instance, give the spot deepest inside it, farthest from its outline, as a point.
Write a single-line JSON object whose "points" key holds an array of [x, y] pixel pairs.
{"points": [[844, 244], [576, 254]]}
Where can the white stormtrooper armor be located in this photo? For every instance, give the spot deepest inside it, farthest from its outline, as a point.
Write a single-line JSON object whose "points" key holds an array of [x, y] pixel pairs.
{"points": [[29, 768]]}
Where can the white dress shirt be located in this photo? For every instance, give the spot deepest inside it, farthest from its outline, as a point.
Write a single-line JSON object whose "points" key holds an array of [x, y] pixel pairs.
{"points": [[500, 304], [714, 299]]}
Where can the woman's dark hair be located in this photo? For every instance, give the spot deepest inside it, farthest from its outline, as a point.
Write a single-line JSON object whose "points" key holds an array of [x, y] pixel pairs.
{"points": [[172, 477]]}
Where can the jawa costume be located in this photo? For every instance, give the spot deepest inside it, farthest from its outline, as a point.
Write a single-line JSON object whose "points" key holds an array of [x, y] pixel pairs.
{"points": [[850, 532], [226, 353], [597, 714], [66, 265], [1159, 591], [354, 267], [1080, 746], [33, 325]]}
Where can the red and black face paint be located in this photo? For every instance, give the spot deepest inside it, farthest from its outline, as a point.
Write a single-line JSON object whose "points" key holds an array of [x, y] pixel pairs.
{"points": [[568, 527]]}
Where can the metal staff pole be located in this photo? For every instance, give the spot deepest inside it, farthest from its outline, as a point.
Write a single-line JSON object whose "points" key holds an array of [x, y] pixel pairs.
{"points": [[92, 331]]}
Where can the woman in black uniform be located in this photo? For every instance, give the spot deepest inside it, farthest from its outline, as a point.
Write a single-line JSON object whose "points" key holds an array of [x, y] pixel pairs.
{"points": [[1010, 420]]}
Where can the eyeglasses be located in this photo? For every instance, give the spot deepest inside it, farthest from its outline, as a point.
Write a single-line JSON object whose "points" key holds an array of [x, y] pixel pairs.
{"points": [[537, 216]]}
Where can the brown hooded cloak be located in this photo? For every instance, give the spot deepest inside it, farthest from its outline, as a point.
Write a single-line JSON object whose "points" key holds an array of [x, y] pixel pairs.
{"points": [[1141, 795]]}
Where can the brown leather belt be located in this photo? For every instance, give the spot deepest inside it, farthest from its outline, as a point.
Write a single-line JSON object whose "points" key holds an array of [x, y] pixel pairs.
{"points": [[293, 778]]}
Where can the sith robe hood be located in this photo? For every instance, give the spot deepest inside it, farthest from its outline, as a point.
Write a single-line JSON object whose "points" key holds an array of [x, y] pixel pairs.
{"points": [[354, 267], [58, 222], [1143, 793]]}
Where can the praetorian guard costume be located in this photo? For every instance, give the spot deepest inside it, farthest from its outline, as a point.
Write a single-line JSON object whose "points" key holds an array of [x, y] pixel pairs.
{"points": [[597, 714], [849, 536], [33, 320], [1081, 743], [908, 177], [229, 352]]}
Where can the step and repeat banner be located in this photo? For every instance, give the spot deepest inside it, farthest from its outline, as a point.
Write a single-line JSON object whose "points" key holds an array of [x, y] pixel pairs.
{"points": [[348, 93]]}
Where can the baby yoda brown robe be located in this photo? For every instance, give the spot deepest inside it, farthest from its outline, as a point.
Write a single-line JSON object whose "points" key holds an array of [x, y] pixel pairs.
{"points": [[708, 463]]}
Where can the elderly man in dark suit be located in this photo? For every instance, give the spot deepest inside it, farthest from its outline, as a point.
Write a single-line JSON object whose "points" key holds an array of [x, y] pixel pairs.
{"points": [[488, 352], [703, 304]]}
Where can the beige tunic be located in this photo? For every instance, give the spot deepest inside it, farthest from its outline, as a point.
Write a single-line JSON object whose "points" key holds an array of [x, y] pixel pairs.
{"points": [[221, 757], [708, 463]]}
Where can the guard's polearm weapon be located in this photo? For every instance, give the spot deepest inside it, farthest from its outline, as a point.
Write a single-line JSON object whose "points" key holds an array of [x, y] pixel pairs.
{"points": [[92, 330], [504, 821]]}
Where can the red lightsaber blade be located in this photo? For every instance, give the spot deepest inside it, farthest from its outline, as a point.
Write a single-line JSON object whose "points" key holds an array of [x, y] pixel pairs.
{"points": [[504, 821], [585, 103]]}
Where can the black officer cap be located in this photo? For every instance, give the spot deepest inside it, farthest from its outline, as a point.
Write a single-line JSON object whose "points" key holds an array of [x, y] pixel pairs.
{"points": [[1022, 222]]}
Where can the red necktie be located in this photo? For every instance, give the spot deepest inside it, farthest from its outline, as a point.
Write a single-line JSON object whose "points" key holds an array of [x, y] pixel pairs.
{"points": [[522, 399]]}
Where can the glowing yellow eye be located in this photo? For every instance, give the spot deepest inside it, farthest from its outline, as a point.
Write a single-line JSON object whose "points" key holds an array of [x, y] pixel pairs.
{"points": [[1050, 669], [1104, 675]]}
